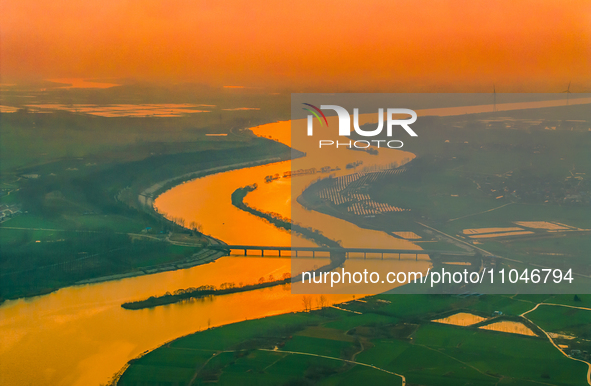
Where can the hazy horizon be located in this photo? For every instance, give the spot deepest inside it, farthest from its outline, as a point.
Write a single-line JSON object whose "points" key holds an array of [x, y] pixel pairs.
{"points": [[413, 46]]}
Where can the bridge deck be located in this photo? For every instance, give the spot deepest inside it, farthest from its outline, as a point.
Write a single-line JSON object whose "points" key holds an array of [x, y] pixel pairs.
{"points": [[226, 247]]}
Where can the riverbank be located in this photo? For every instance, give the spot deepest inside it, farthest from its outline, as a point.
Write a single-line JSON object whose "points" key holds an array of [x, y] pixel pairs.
{"points": [[86, 225], [147, 196], [204, 256], [384, 338]]}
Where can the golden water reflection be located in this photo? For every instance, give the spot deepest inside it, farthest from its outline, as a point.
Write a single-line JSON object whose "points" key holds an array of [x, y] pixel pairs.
{"points": [[81, 335], [510, 327]]}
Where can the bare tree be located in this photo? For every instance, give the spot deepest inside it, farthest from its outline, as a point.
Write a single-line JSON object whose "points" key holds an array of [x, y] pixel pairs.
{"points": [[195, 226], [321, 302], [307, 301]]}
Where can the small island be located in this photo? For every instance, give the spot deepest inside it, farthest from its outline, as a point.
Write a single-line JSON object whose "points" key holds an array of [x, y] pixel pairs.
{"points": [[203, 291]]}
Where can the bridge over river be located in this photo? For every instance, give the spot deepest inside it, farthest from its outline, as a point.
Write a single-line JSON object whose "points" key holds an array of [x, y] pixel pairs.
{"points": [[313, 251]]}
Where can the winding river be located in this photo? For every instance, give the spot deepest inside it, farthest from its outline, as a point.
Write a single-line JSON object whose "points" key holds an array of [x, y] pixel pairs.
{"points": [[81, 336]]}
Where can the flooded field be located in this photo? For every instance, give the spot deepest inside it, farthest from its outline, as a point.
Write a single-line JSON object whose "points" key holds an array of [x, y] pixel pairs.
{"points": [[554, 335], [126, 110], [476, 231], [83, 83], [461, 319], [407, 235], [549, 226], [8, 109], [242, 109], [509, 327], [505, 234], [540, 225]]}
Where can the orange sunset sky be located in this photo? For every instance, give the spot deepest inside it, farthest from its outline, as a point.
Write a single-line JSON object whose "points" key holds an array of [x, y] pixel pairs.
{"points": [[348, 45]]}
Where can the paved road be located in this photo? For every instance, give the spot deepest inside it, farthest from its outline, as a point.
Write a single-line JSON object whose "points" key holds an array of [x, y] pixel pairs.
{"points": [[550, 339], [339, 359]]}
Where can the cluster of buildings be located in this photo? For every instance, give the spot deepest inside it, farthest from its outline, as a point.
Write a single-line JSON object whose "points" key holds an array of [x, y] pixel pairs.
{"points": [[8, 211]]}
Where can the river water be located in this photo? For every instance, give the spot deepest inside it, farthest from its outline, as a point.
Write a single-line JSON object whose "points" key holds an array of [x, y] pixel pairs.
{"points": [[81, 336]]}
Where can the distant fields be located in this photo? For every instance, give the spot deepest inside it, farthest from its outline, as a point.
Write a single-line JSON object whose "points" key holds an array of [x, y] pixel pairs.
{"points": [[469, 175], [491, 170], [562, 319], [76, 179]]}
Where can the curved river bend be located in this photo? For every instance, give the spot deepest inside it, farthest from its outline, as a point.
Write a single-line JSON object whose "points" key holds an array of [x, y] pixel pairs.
{"points": [[81, 336]]}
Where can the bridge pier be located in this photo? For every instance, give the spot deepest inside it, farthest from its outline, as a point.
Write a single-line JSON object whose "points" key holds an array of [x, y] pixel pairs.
{"points": [[364, 255], [245, 251], [262, 252]]}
